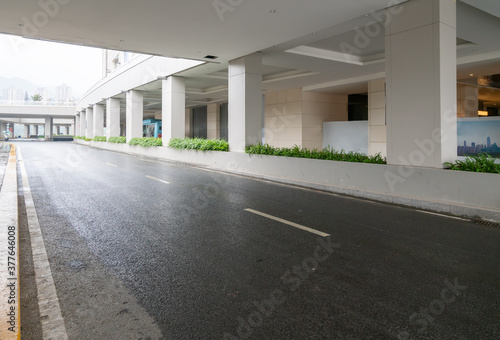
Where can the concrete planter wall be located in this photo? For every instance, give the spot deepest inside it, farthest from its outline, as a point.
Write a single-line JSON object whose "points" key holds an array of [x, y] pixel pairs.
{"points": [[455, 192]]}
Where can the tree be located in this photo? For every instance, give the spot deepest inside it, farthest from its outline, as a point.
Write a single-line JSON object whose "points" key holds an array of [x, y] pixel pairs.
{"points": [[37, 98]]}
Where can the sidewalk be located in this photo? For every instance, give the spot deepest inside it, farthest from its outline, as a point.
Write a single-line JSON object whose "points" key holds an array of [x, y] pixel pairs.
{"points": [[4, 157], [9, 241]]}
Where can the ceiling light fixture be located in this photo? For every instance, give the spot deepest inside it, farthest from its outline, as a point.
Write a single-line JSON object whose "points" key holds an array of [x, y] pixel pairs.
{"points": [[482, 113]]}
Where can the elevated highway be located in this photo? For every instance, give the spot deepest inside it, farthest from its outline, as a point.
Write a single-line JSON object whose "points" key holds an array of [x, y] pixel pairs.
{"points": [[32, 116]]}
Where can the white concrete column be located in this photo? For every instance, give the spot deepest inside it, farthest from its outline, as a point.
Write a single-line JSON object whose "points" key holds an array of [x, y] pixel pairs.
{"points": [[49, 121], [421, 84], [213, 121], [77, 125], [467, 100], [173, 108], [35, 130], [98, 120], [377, 129], [245, 102], [90, 123], [26, 131], [112, 117], [83, 123], [3, 127], [66, 130], [135, 114], [189, 122]]}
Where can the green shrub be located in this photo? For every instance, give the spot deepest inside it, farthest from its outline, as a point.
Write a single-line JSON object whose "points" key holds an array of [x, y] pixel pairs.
{"points": [[326, 154], [99, 139], [117, 140], [87, 139], [76, 137], [146, 142], [199, 144], [480, 163]]}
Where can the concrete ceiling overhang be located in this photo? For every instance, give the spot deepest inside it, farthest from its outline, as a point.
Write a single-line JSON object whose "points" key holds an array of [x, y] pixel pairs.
{"points": [[190, 29], [300, 41]]}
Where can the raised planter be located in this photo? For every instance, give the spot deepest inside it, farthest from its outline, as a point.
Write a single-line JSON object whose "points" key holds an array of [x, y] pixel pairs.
{"points": [[454, 192]]}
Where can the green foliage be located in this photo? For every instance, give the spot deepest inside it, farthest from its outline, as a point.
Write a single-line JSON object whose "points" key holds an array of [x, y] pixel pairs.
{"points": [[117, 140], [326, 154], [99, 139], [199, 144], [87, 139], [76, 137], [480, 163], [146, 142], [37, 98]]}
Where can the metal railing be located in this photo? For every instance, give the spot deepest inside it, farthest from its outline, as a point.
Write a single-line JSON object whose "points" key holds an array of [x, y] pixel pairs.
{"points": [[32, 103]]}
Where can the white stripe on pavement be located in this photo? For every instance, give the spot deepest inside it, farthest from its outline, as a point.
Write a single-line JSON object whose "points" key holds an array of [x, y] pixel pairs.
{"points": [[157, 179], [112, 165], [295, 225], [443, 215], [50, 312]]}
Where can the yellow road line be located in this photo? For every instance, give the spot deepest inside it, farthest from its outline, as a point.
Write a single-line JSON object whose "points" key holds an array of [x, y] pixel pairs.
{"points": [[10, 316]]}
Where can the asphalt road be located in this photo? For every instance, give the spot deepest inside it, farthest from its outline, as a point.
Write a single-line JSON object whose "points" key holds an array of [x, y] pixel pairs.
{"points": [[136, 258]]}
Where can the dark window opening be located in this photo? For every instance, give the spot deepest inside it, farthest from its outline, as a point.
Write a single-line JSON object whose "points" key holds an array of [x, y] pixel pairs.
{"points": [[358, 107]]}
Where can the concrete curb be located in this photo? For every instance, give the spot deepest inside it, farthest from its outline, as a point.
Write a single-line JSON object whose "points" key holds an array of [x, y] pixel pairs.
{"points": [[10, 327], [456, 193]]}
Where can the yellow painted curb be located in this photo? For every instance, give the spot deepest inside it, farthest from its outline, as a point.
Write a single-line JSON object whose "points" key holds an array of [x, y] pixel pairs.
{"points": [[10, 327]]}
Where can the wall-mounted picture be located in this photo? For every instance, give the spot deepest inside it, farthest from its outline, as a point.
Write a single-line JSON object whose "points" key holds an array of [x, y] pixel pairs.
{"points": [[479, 135]]}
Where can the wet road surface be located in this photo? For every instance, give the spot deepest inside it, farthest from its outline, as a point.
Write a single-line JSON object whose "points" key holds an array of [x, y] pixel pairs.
{"points": [[143, 249]]}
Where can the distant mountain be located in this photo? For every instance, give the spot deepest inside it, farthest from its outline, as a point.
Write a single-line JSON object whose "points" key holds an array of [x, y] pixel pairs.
{"points": [[18, 83]]}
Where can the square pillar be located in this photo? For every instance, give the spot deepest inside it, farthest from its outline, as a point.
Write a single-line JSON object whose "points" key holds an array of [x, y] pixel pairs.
{"points": [[189, 123], [35, 130], [3, 127], [135, 114], [49, 125], [421, 80], [173, 108], [83, 123], [77, 125], [467, 101], [377, 129], [112, 117], [98, 120], [213, 121], [90, 123], [245, 102]]}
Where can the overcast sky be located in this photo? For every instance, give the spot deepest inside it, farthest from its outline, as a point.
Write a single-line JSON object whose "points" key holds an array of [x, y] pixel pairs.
{"points": [[48, 64]]}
